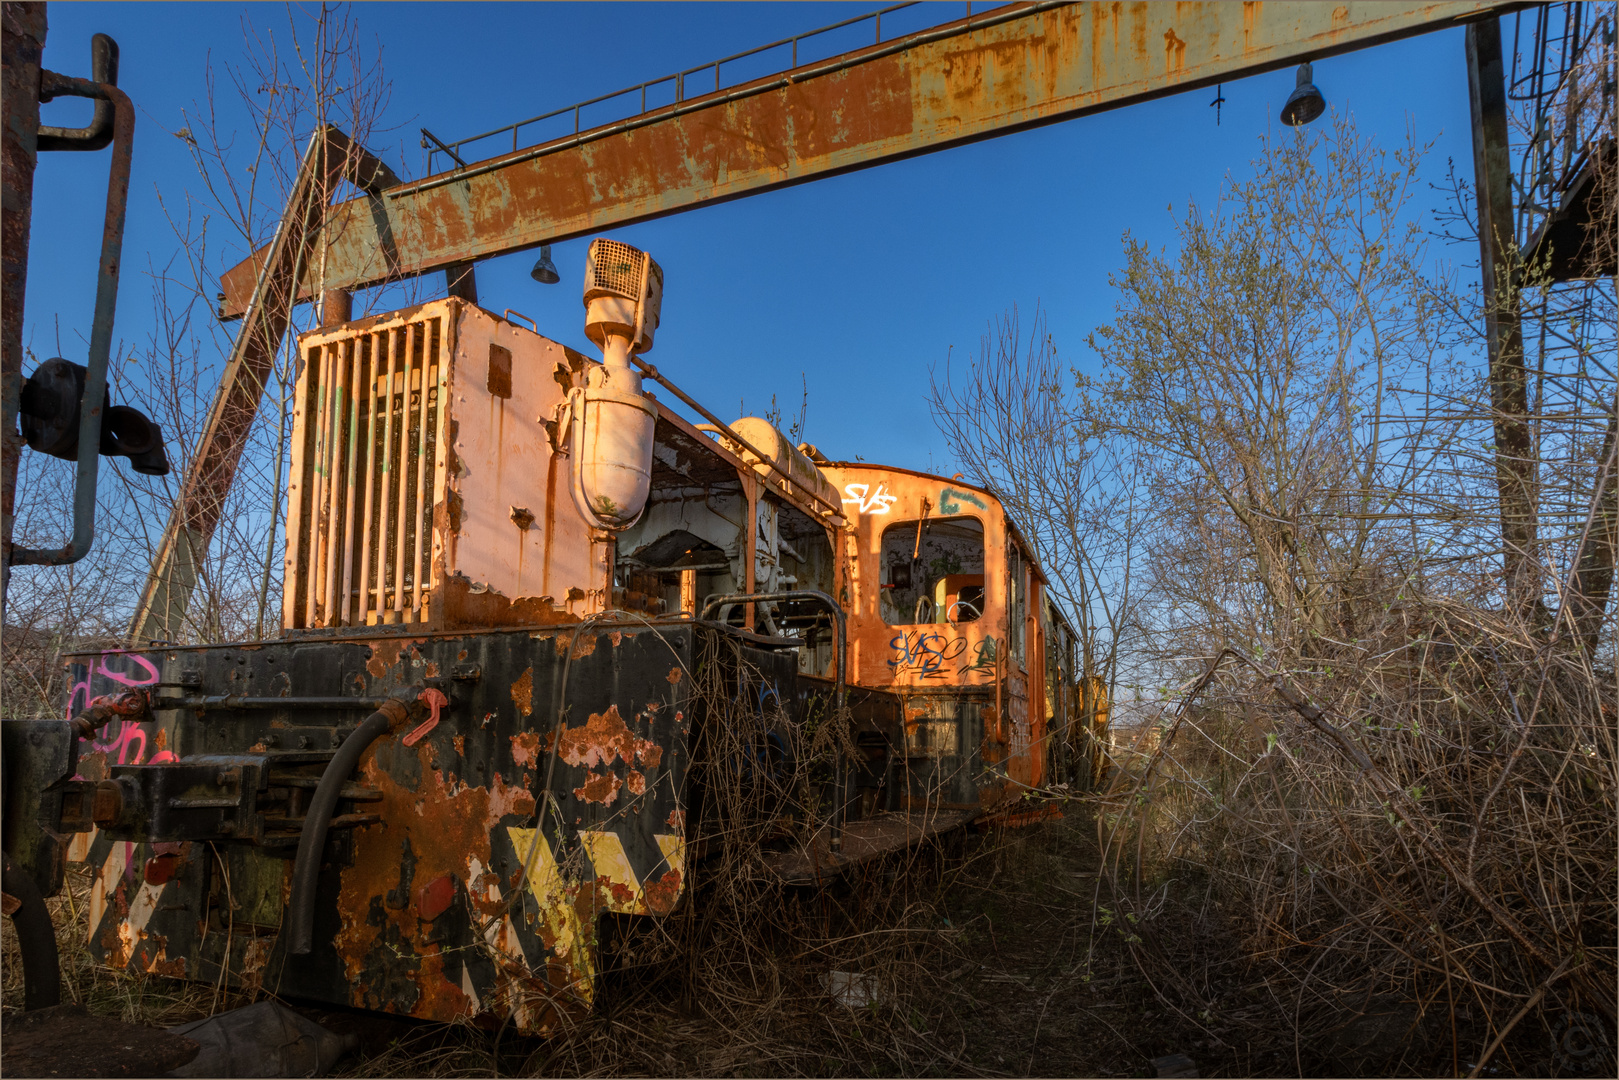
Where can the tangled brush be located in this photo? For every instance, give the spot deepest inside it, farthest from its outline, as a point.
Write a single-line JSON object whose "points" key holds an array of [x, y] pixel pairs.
{"points": [[1414, 835]]}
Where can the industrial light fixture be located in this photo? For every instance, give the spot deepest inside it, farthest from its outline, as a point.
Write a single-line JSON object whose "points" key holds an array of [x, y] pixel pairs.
{"points": [[1305, 103], [545, 271]]}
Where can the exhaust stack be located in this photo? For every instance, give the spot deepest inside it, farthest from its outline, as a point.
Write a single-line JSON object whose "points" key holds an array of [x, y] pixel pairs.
{"points": [[609, 421]]}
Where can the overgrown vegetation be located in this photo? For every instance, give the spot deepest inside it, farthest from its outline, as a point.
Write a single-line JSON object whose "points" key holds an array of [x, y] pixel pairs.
{"points": [[1368, 824], [1355, 597]]}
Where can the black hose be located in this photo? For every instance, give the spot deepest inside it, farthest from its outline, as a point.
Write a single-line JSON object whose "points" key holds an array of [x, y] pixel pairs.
{"points": [[300, 925], [36, 939]]}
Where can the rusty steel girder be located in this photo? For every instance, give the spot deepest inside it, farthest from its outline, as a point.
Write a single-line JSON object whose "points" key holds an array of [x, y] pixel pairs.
{"points": [[1007, 70], [330, 156]]}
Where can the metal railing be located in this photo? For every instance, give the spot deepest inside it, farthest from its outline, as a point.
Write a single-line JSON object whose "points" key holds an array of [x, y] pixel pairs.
{"points": [[684, 85]]}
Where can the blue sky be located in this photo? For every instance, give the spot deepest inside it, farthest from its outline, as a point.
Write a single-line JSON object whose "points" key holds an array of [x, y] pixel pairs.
{"points": [[860, 282]]}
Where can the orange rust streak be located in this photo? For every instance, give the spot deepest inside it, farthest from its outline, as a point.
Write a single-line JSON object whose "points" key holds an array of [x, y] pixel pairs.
{"points": [[1034, 68], [604, 738], [523, 692], [447, 826]]}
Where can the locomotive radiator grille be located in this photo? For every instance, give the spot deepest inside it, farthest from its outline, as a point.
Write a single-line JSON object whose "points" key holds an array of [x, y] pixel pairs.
{"points": [[365, 473]]}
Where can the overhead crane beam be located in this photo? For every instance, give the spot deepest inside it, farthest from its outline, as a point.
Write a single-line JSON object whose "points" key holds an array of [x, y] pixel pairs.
{"points": [[1007, 70]]}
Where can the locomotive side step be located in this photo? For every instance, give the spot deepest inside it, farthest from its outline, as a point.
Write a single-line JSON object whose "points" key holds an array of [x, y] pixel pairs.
{"points": [[863, 841]]}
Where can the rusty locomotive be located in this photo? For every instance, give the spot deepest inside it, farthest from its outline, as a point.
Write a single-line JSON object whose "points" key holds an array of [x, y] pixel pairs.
{"points": [[523, 602]]}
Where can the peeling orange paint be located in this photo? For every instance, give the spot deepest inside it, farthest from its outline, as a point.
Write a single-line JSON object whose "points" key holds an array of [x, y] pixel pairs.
{"points": [[526, 748], [603, 738]]}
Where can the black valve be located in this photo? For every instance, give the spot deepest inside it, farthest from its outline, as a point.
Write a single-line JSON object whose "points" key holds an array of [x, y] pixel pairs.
{"points": [[49, 408]]}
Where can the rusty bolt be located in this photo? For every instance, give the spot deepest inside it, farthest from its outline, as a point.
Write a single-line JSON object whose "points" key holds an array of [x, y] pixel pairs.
{"points": [[108, 803]]}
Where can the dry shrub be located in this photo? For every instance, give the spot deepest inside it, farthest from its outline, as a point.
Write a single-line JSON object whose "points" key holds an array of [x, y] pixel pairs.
{"points": [[1413, 834], [738, 977]]}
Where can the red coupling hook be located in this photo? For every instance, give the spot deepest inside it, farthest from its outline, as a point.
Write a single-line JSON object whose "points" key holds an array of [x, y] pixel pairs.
{"points": [[435, 701]]}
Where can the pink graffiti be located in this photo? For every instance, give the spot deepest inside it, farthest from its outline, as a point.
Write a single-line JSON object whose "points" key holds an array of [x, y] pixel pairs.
{"points": [[126, 735], [151, 675], [83, 690], [119, 742]]}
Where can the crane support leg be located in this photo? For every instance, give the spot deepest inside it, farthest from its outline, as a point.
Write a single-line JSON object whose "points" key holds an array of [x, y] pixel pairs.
{"points": [[331, 155]]}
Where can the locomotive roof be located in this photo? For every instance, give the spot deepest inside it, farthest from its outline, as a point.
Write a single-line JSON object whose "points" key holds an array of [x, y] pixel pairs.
{"points": [[1011, 525]]}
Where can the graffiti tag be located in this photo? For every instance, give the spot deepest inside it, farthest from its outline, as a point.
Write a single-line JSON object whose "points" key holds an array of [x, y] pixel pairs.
{"points": [[924, 654], [866, 501], [126, 741], [950, 501], [983, 659]]}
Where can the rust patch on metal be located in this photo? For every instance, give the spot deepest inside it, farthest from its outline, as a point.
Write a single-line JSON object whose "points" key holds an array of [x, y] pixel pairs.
{"points": [[1174, 53], [581, 646], [523, 692], [384, 655], [601, 788], [661, 895], [255, 956], [460, 607], [526, 748], [174, 969], [603, 738], [674, 675], [432, 828]]}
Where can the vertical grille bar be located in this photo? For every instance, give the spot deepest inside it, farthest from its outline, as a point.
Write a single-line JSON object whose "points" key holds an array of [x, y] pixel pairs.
{"points": [[332, 549], [412, 351], [384, 470], [375, 347], [317, 501], [424, 458], [355, 359], [299, 508]]}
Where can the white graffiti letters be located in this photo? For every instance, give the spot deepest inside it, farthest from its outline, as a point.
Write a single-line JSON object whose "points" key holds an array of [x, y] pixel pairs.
{"points": [[876, 502]]}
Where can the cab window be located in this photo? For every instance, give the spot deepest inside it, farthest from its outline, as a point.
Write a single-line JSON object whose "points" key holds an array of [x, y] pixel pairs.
{"points": [[932, 571]]}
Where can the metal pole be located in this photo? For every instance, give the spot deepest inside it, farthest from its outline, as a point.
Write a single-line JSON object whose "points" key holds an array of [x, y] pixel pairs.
{"points": [[95, 382], [24, 43], [1499, 263]]}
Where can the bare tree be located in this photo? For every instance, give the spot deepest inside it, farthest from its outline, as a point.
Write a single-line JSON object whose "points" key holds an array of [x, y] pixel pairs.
{"points": [[1376, 749], [322, 71], [246, 138], [1014, 420]]}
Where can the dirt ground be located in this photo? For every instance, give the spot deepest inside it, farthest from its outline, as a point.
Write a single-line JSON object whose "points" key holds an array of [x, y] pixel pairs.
{"points": [[1010, 976]]}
